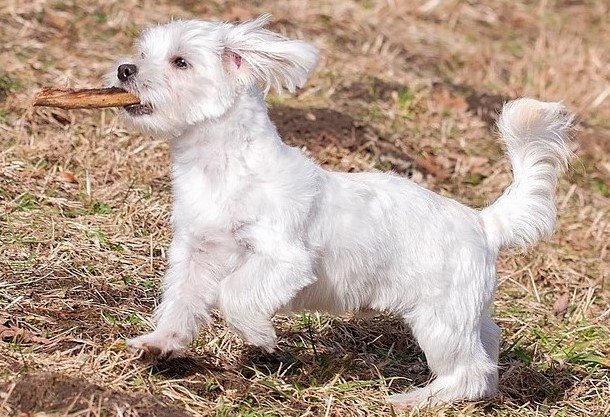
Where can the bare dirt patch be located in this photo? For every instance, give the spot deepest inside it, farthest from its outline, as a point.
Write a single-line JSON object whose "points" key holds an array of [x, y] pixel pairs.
{"points": [[318, 128], [50, 392], [329, 134]]}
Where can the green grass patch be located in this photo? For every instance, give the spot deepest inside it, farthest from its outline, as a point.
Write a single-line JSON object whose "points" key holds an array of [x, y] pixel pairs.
{"points": [[406, 103], [27, 202], [600, 186], [97, 207], [99, 238], [9, 84]]}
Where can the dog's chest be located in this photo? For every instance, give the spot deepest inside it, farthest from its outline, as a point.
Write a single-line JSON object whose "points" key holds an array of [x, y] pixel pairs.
{"points": [[213, 207]]}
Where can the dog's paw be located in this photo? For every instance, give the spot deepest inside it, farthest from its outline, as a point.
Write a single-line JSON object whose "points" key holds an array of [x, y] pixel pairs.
{"points": [[263, 338], [255, 331], [154, 348], [415, 399]]}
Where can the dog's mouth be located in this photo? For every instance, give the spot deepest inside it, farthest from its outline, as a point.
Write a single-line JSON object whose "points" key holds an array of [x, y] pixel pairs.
{"points": [[138, 109]]}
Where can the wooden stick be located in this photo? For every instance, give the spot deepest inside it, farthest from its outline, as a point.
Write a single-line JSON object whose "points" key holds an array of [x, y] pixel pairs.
{"points": [[92, 98]]}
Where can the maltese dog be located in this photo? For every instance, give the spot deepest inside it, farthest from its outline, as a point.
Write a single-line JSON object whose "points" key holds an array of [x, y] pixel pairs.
{"points": [[259, 228]]}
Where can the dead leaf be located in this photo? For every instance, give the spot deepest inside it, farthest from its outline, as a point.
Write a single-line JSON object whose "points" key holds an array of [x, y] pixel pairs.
{"points": [[10, 333], [67, 177], [31, 173], [449, 101], [560, 308], [430, 165]]}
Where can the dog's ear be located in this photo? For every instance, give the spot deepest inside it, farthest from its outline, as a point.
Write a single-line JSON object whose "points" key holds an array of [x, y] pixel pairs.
{"points": [[253, 54]]}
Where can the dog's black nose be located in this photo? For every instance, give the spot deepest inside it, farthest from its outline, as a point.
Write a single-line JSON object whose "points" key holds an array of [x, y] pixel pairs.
{"points": [[126, 71]]}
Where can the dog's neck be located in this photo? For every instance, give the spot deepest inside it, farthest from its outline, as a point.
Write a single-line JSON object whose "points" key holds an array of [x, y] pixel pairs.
{"points": [[215, 164], [214, 144], [246, 120]]}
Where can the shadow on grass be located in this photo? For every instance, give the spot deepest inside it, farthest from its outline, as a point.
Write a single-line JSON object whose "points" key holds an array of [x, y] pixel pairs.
{"points": [[376, 352], [182, 367], [524, 384], [322, 129]]}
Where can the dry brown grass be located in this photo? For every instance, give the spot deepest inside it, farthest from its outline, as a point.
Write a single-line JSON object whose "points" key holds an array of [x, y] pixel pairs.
{"points": [[403, 85]]}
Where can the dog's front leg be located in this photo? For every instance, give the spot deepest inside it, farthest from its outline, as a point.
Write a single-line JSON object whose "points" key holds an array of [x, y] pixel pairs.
{"points": [[267, 281], [190, 287]]}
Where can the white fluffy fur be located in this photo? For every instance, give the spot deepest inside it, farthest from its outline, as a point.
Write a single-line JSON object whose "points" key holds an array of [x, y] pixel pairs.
{"points": [[259, 228]]}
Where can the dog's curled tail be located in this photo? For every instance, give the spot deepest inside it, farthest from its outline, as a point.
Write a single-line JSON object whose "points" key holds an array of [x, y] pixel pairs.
{"points": [[536, 137]]}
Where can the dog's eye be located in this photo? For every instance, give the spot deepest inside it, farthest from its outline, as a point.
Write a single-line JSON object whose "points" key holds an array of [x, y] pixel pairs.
{"points": [[180, 63]]}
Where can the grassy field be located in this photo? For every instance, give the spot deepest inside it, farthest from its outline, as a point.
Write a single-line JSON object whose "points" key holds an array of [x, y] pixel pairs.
{"points": [[409, 86]]}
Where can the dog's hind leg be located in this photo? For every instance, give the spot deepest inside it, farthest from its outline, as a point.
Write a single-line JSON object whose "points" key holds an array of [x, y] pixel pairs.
{"points": [[490, 336], [458, 358], [460, 342]]}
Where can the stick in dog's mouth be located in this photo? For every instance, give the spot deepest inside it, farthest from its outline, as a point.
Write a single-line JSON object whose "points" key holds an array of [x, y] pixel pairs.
{"points": [[91, 98]]}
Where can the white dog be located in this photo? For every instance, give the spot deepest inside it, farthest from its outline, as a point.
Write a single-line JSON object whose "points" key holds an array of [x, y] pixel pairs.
{"points": [[259, 228]]}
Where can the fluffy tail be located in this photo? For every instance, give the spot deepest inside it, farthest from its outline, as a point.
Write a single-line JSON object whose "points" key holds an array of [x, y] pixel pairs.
{"points": [[536, 136]]}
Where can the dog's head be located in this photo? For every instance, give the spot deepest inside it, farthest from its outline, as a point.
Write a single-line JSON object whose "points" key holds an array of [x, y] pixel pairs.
{"points": [[187, 72]]}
